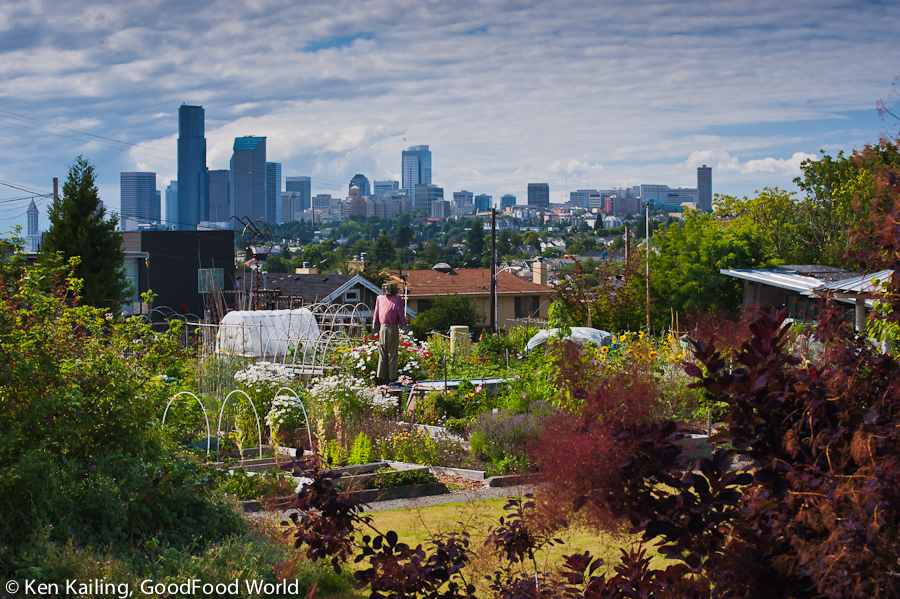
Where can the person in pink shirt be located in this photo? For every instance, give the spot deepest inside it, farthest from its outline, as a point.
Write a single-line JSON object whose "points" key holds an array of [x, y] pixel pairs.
{"points": [[390, 315]]}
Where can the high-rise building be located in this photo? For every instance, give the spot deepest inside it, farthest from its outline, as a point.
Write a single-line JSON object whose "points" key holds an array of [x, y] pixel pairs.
{"points": [[139, 200], [273, 192], [322, 200], [581, 197], [219, 196], [425, 194], [539, 194], [303, 187], [507, 201], [440, 209], [193, 198], [33, 236], [171, 204], [483, 203], [383, 188], [416, 169], [362, 182], [248, 178], [704, 187]]}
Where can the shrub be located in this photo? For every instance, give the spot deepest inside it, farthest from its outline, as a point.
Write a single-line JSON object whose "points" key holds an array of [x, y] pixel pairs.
{"points": [[362, 450], [502, 438]]}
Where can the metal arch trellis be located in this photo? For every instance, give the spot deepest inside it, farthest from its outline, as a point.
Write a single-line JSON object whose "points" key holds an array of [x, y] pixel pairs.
{"points": [[305, 413], [205, 416], [222, 412]]}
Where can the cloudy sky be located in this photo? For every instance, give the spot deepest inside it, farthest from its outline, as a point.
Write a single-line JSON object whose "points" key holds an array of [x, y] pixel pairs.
{"points": [[574, 93]]}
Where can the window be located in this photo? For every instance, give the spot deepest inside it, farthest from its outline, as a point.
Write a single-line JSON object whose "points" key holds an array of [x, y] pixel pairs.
{"points": [[351, 296], [528, 306], [210, 279]]}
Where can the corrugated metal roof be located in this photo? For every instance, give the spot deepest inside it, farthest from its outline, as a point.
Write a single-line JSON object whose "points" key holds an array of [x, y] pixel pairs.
{"points": [[776, 278], [861, 284]]}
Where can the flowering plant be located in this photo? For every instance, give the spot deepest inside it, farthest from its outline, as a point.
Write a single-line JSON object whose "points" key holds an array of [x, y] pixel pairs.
{"points": [[286, 413], [414, 358], [259, 381]]}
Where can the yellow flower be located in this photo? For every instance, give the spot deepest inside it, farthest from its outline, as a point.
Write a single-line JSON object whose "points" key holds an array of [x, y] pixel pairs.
{"points": [[604, 349], [603, 358], [641, 335], [652, 355]]}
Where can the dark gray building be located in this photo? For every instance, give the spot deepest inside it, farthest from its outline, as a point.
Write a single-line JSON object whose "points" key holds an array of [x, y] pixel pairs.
{"points": [[139, 200], [362, 182], [193, 176], [539, 194], [507, 201], [704, 187], [219, 196], [248, 178]]}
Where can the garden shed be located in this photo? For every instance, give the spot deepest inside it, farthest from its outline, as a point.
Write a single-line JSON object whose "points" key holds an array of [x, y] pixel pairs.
{"points": [[267, 333]]}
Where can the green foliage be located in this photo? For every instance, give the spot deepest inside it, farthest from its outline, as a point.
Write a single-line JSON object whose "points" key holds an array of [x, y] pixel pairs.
{"points": [[79, 227], [447, 311], [362, 450], [244, 485], [387, 478], [409, 444], [384, 250], [560, 317]]}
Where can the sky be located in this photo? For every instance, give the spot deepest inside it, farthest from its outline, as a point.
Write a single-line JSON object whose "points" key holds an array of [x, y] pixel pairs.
{"points": [[577, 94]]}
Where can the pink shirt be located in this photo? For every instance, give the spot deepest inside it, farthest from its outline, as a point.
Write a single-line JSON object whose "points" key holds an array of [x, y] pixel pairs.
{"points": [[389, 310]]}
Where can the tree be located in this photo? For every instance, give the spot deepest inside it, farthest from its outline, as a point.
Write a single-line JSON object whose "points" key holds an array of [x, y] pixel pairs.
{"points": [[79, 227], [775, 215], [685, 273], [384, 250], [475, 243], [447, 311], [404, 237]]}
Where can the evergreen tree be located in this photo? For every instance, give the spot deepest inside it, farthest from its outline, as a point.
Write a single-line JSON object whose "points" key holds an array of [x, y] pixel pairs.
{"points": [[384, 250], [79, 227]]}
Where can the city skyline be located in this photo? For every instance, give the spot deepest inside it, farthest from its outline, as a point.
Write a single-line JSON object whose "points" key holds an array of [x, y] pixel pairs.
{"points": [[574, 94]]}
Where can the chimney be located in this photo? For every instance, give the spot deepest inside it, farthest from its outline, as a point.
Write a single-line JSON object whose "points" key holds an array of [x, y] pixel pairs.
{"points": [[540, 272], [306, 270]]}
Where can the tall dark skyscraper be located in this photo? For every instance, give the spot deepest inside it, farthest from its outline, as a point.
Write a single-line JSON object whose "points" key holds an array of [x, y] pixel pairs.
{"points": [[704, 187], [416, 168], [300, 189], [248, 178], [139, 200], [193, 178], [539, 194]]}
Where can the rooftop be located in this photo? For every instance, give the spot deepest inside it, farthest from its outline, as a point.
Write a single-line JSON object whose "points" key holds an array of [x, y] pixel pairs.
{"points": [[467, 281]]}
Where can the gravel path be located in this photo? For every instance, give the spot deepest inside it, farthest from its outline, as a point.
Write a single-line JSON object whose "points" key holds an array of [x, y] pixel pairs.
{"points": [[461, 496]]}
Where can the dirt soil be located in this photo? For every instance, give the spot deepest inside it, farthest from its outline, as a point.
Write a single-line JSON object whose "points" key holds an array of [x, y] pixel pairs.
{"points": [[458, 484]]}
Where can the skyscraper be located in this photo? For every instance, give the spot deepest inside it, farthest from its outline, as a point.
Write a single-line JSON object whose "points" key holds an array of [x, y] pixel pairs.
{"points": [[483, 203], [193, 179], [425, 195], [297, 195], [362, 182], [273, 192], [219, 196], [33, 237], [171, 204], [383, 188], [508, 201], [416, 168], [248, 178], [139, 200], [539, 194], [704, 187]]}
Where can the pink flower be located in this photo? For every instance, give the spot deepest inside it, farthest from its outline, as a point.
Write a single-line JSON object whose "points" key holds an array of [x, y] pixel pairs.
{"points": [[523, 396], [478, 389]]}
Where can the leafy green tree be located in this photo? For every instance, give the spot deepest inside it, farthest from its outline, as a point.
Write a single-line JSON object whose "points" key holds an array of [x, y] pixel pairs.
{"points": [[775, 214], [447, 311], [504, 244], [404, 237], [384, 250], [276, 263], [475, 243], [79, 227], [685, 272]]}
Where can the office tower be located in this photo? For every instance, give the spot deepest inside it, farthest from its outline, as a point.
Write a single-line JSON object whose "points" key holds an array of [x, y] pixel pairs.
{"points": [[581, 197], [425, 194], [539, 194], [193, 199], [440, 209], [383, 188], [171, 204], [33, 237], [321, 201], [362, 182], [303, 187], [704, 187], [416, 169], [461, 198], [139, 201], [483, 203], [273, 192], [248, 178], [507, 201], [219, 196]]}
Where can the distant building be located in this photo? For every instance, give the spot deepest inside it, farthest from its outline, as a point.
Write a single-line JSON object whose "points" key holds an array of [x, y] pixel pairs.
{"points": [[300, 189], [704, 188], [139, 200], [416, 168], [383, 188], [440, 209], [680, 195], [357, 202], [172, 203], [483, 203], [362, 182], [219, 196], [321, 201], [539, 194], [507, 201], [192, 189], [273, 192], [425, 194], [33, 230], [248, 178]]}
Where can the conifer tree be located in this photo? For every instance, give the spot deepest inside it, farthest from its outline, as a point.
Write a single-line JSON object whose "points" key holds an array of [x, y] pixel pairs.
{"points": [[79, 227]]}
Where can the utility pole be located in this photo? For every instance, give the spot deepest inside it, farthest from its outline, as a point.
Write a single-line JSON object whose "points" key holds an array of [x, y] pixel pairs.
{"points": [[494, 316], [647, 218], [55, 190]]}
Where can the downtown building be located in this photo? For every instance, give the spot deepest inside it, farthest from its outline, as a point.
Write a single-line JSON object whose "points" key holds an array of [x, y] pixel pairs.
{"points": [[425, 195], [193, 180], [139, 200], [416, 169], [297, 197], [248, 178], [539, 195]]}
